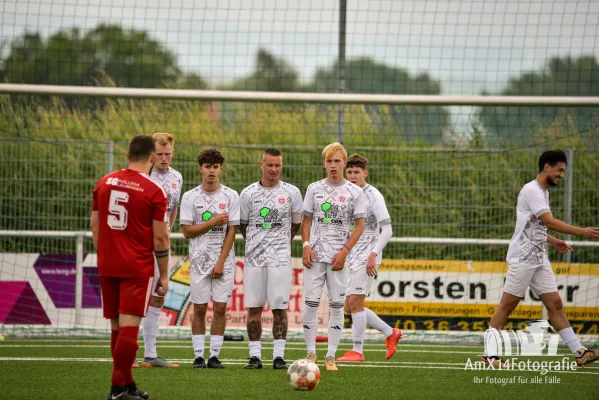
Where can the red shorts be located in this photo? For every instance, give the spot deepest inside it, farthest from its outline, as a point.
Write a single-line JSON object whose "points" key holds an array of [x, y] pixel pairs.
{"points": [[125, 296]]}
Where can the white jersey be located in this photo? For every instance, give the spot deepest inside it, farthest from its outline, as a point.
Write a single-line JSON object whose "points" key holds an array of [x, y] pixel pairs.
{"points": [[528, 243], [199, 206], [377, 216], [268, 214], [333, 208], [171, 182]]}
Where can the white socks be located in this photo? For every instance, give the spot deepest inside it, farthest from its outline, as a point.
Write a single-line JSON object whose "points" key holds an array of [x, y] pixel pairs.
{"points": [[279, 350], [216, 343], [311, 325], [255, 349], [150, 331], [358, 331], [492, 342], [374, 321], [573, 342], [335, 327], [198, 345]]}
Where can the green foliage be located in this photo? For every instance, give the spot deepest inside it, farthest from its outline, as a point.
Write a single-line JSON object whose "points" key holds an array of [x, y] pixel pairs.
{"points": [[130, 58], [52, 159], [270, 74], [411, 124], [560, 77]]}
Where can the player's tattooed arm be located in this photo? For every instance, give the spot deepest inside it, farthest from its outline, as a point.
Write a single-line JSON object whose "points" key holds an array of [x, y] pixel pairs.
{"points": [[279, 325], [243, 229], [254, 328], [294, 229]]}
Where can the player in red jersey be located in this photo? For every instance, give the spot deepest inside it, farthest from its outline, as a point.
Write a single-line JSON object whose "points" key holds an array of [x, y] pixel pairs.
{"points": [[130, 227]]}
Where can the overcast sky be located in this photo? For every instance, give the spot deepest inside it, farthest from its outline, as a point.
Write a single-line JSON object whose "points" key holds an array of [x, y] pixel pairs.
{"points": [[468, 45]]}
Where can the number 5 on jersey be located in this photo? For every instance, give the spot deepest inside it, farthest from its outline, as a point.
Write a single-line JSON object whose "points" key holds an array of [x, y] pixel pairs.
{"points": [[118, 218]]}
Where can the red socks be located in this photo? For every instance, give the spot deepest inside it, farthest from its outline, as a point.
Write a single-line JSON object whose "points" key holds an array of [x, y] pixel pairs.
{"points": [[113, 337], [123, 355]]}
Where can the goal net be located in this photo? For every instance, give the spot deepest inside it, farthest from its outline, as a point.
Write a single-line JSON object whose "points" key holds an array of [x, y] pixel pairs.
{"points": [[450, 168]]}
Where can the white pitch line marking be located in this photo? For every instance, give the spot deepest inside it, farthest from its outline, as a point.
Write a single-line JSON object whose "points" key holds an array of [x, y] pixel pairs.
{"points": [[446, 366]]}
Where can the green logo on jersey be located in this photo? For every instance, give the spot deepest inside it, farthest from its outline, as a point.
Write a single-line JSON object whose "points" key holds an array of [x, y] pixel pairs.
{"points": [[264, 211], [351, 228], [206, 215], [325, 207]]}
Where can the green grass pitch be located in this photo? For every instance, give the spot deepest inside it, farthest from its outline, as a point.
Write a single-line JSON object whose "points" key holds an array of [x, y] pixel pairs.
{"points": [[80, 369]]}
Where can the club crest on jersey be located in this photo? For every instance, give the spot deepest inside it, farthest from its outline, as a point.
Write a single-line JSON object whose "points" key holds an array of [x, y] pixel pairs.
{"points": [[281, 200], [174, 185], [342, 198], [221, 206]]}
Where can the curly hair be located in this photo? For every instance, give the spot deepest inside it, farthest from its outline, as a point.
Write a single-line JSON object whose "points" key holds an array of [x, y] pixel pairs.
{"points": [[211, 156]]}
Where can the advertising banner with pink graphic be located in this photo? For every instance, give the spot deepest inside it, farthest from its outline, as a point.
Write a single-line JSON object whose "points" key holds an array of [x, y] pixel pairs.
{"points": [[39, 289]]}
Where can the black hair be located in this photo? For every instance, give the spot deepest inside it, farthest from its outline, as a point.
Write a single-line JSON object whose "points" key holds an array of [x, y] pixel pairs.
{"points": [[211, 156], [552, 157], [141, 148]]}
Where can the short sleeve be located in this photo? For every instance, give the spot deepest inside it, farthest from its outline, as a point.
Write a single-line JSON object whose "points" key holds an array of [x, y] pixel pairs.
{"points": [[536, 201], [309, 202], [186, 216], [244, 207], [234, 209], [296, 207], [379, 209], [359, 208], [160, 203], [178, 196]]}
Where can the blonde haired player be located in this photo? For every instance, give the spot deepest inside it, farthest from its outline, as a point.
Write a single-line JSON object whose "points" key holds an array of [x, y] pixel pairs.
{"points": [[171, 181], [364, 261], [330, 206]]}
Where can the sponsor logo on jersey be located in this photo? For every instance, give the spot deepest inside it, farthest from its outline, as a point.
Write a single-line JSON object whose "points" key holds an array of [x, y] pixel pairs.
{"points": [[330, 212], [270, 218], [207, 216]]}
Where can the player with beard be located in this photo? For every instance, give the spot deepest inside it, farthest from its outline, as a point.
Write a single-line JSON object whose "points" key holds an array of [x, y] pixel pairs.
{"points": [[528, 264]]}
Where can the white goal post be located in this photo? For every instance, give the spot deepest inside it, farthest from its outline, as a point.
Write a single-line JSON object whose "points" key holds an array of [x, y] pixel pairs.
{"points": [[298, 97]]}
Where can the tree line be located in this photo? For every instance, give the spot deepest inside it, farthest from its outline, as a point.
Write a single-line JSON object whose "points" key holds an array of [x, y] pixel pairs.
{"points": [[112, 56]]}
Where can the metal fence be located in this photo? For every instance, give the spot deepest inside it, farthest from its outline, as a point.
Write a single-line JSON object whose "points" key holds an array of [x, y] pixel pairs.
{"points": [[439, 193]]}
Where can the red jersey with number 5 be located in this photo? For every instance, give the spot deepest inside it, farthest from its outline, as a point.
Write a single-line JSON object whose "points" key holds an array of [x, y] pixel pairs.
{"points": [[127, 202]]}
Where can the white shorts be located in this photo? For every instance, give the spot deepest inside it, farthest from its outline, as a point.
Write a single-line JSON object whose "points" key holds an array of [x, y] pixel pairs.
{"points": [[262, 283], [157, 275], [315, 278], [202, 286], [539, 277], [360, 283]]}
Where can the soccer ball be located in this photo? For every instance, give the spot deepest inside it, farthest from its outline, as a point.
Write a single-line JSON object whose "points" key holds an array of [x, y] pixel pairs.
{"points": [[303, 375]]}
